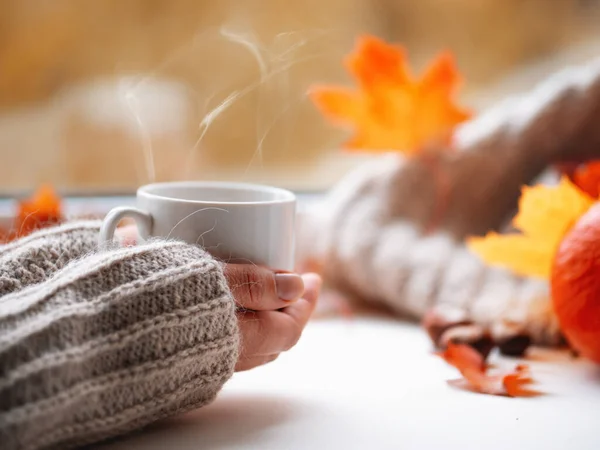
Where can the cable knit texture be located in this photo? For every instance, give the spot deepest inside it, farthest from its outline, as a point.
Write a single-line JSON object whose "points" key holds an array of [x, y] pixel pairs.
{"points": [[38, 256], [393, 230], [97, 343]]}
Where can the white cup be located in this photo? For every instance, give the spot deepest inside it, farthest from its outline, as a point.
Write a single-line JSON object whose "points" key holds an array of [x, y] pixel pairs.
{"points": [[235, 222]]}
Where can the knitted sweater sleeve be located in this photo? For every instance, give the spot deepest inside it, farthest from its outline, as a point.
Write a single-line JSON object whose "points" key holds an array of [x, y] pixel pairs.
{"points": [[393, 230], [97, 343]]}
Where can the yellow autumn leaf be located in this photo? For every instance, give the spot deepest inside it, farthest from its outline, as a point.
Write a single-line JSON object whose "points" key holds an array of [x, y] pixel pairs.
{"points": [[549, 212], [545, 215], [519, 253]]}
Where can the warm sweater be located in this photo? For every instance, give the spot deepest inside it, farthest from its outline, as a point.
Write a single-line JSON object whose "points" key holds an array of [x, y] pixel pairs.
{"points": [[96, 343], [393, 231]]}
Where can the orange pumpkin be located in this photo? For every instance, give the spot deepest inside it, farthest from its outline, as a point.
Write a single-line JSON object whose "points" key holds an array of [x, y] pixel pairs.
{"points": [[575, 284]]}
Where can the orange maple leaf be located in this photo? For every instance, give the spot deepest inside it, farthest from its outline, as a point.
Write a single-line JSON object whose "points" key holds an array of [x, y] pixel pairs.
{"points": [[545, 215], [5, 236], [42, 209], [516, 385], [391, 110], [473, 369], [463, 357]]}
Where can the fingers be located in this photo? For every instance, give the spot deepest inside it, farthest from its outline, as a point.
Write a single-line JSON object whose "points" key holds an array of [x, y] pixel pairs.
{"points": [[272, 332], [267, 332], [251, 363], [301, 311], [260, 289], [127, 235]]}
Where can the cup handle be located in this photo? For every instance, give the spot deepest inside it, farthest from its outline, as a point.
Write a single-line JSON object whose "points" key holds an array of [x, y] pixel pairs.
{"points": [[115, 215]]}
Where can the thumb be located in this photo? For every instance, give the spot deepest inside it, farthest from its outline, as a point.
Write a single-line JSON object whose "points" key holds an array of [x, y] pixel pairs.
{"points": [[260, 289]]}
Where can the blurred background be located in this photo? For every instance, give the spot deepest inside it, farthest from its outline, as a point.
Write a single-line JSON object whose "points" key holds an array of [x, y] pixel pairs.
{"points": [[98, 97]]}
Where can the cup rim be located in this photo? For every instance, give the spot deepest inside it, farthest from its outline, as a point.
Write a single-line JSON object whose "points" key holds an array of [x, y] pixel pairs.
{"points": [[286, 196]]}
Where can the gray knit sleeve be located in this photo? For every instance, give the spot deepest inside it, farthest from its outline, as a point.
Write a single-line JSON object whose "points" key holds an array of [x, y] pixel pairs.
{"points": [[111, 342], [34, 258]]}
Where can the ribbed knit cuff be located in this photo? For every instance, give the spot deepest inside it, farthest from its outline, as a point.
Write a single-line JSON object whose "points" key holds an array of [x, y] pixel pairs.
{"points": [[112, 342]]}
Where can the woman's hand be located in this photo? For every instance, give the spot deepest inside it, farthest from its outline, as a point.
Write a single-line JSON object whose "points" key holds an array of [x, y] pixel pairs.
{"points": [[274, 309]]}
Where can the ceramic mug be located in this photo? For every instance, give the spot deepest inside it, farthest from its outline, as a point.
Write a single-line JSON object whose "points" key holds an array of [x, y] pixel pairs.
{"points": [[235, 222]]}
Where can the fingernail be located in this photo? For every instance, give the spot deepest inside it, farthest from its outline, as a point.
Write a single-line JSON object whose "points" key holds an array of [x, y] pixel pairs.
{"points": [[290, 286]]}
